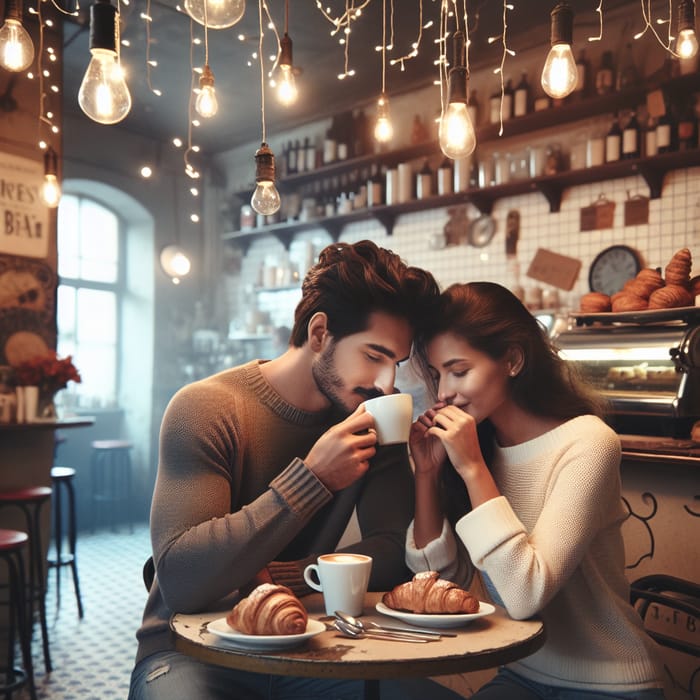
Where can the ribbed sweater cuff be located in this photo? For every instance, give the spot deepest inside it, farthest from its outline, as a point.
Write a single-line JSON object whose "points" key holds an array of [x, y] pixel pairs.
{"points": [[300, 488], [438, 555], [291, 574], [487, 527]]}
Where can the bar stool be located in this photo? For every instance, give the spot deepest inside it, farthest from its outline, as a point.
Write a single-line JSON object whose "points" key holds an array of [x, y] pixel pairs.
{"points": [[110, 467], [62, 479], [12, 542], [30, 501]]}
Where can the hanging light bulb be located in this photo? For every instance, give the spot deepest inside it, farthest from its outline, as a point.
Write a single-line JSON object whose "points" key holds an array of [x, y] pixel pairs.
{"points": [[206, 103], [287, 90], [266, 198], [687, 43], [104, 95], [559, 75], [16, 48], [175, 262], [383, 129], [50, 189], [218, 14], [456, 131]]}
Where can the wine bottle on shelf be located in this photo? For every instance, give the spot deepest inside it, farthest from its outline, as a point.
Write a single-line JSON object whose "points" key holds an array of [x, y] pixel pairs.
{"points": [[664, 133], [583, 73], [309, 156], [301, 155], [630, 138], [605, 76], [686, 127], [508, 98], [292, 153], [521, 100], [495, 106], [650, 147], [445, 177], [613, 141], [627, 74], [424, 181]]}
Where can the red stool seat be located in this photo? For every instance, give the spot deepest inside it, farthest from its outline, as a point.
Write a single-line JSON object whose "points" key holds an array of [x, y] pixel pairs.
{"points": [[31, 494], [12, 539], [12, 542], [30, 501]]}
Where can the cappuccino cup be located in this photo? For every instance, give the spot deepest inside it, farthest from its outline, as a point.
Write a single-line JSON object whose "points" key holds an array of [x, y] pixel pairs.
{"points": [[343, 579], [393, 415]]}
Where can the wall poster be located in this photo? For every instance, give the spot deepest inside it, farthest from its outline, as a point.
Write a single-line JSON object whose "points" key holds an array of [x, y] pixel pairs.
{"points": [[24, 218], [27, 279]]}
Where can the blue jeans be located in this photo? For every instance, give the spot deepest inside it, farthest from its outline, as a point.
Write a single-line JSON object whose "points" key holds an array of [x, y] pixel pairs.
{"points": [[512, 686], [169, 675]]}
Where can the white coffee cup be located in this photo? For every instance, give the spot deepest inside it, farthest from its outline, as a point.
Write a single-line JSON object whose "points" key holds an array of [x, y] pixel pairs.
{"points": [[393, 415], [343, 579]]}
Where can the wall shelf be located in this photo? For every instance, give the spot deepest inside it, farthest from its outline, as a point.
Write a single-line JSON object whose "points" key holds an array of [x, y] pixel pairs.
{"points": [[552, 187]]}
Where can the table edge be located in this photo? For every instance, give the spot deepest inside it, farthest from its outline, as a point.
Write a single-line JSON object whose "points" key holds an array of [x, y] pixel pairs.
{"points": [[367, 668]]}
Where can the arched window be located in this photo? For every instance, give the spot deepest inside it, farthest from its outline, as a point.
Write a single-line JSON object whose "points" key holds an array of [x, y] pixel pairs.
{"points": [[91, 280]]}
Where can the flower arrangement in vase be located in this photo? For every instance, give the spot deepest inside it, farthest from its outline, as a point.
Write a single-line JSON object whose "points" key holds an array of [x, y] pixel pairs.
{"points": [[50, 374]]}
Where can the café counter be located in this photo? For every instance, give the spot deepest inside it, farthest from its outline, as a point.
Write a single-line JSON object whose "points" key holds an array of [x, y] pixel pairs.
{"points": [[661, 490]]}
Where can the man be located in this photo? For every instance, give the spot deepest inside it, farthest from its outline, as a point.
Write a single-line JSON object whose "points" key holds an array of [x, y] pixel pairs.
{"points": [[261, 467]]}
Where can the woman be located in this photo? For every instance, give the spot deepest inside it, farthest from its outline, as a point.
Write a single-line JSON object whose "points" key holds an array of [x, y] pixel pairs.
{"points": [[542, 510]]}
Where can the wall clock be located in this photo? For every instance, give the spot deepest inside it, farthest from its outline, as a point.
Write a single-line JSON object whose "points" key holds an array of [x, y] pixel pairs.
{"points": [[612, 267]]}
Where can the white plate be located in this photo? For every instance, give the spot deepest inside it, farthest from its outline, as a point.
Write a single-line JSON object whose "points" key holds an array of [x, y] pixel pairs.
{"points": [[233, 637], [438, 621]]}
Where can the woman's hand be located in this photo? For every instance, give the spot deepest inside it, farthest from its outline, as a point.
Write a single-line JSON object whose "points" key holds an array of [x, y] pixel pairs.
{"points": [[427, 450], [456, 431]]}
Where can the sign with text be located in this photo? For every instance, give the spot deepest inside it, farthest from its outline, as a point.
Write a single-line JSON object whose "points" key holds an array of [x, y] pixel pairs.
{"points": [[24, 218], [555, 269]]}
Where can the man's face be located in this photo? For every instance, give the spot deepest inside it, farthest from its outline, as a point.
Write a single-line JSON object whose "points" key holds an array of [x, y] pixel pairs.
{"points": [[362, 365]]}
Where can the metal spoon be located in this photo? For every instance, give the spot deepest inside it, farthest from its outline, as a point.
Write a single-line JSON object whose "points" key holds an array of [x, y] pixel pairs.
{"points": [[350, 631], [356, 622]]}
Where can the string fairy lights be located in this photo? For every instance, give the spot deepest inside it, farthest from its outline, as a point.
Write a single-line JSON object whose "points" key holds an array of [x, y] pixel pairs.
{"points": [[507, 51]]}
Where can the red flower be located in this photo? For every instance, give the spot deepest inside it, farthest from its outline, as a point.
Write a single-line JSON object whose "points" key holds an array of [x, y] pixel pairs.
{"points": [[48, 372]]}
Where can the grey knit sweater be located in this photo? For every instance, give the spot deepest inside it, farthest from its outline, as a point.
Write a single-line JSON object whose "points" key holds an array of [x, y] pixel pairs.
{"points": [[232, 494]]}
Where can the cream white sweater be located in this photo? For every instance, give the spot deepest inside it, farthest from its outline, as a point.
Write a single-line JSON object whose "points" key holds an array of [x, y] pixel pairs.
{"points": [[551, 545]]}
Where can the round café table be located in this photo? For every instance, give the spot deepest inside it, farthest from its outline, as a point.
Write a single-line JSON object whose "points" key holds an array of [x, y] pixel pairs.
{"points": [[486, 642]]}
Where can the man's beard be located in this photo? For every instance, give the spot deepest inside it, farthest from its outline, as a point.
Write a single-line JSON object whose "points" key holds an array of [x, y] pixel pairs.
{"points": [[328, 381], [330, 384]]}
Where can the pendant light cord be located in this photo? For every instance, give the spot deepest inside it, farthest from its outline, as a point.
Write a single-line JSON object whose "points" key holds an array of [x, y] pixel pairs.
{"points": [[383, 46], [262, 70]]}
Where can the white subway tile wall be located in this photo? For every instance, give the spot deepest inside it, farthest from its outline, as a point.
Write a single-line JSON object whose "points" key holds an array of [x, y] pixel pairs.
{"points": [[674, 222]]}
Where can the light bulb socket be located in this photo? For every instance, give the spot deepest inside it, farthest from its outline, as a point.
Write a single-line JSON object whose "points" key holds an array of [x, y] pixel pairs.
{"points": [[686, 15], [562, 28], [458, 48], [264, 164], [103, 26], [207, 77], [13, 10], [50, 162], [286, 51], [457, 85]]}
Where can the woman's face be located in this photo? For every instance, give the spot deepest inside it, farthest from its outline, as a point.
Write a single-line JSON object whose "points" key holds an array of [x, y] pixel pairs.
{"points": [[468, 378]]}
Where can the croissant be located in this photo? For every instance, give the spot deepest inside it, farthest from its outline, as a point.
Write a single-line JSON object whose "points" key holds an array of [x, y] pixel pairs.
{"points": [[595, 302], [270, 609], [428, 593], [624, 301], [677, 271], [671, 296]]}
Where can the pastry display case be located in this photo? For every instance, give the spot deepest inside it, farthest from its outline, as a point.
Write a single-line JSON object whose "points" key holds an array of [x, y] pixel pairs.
{"points": [[646, 364]]}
